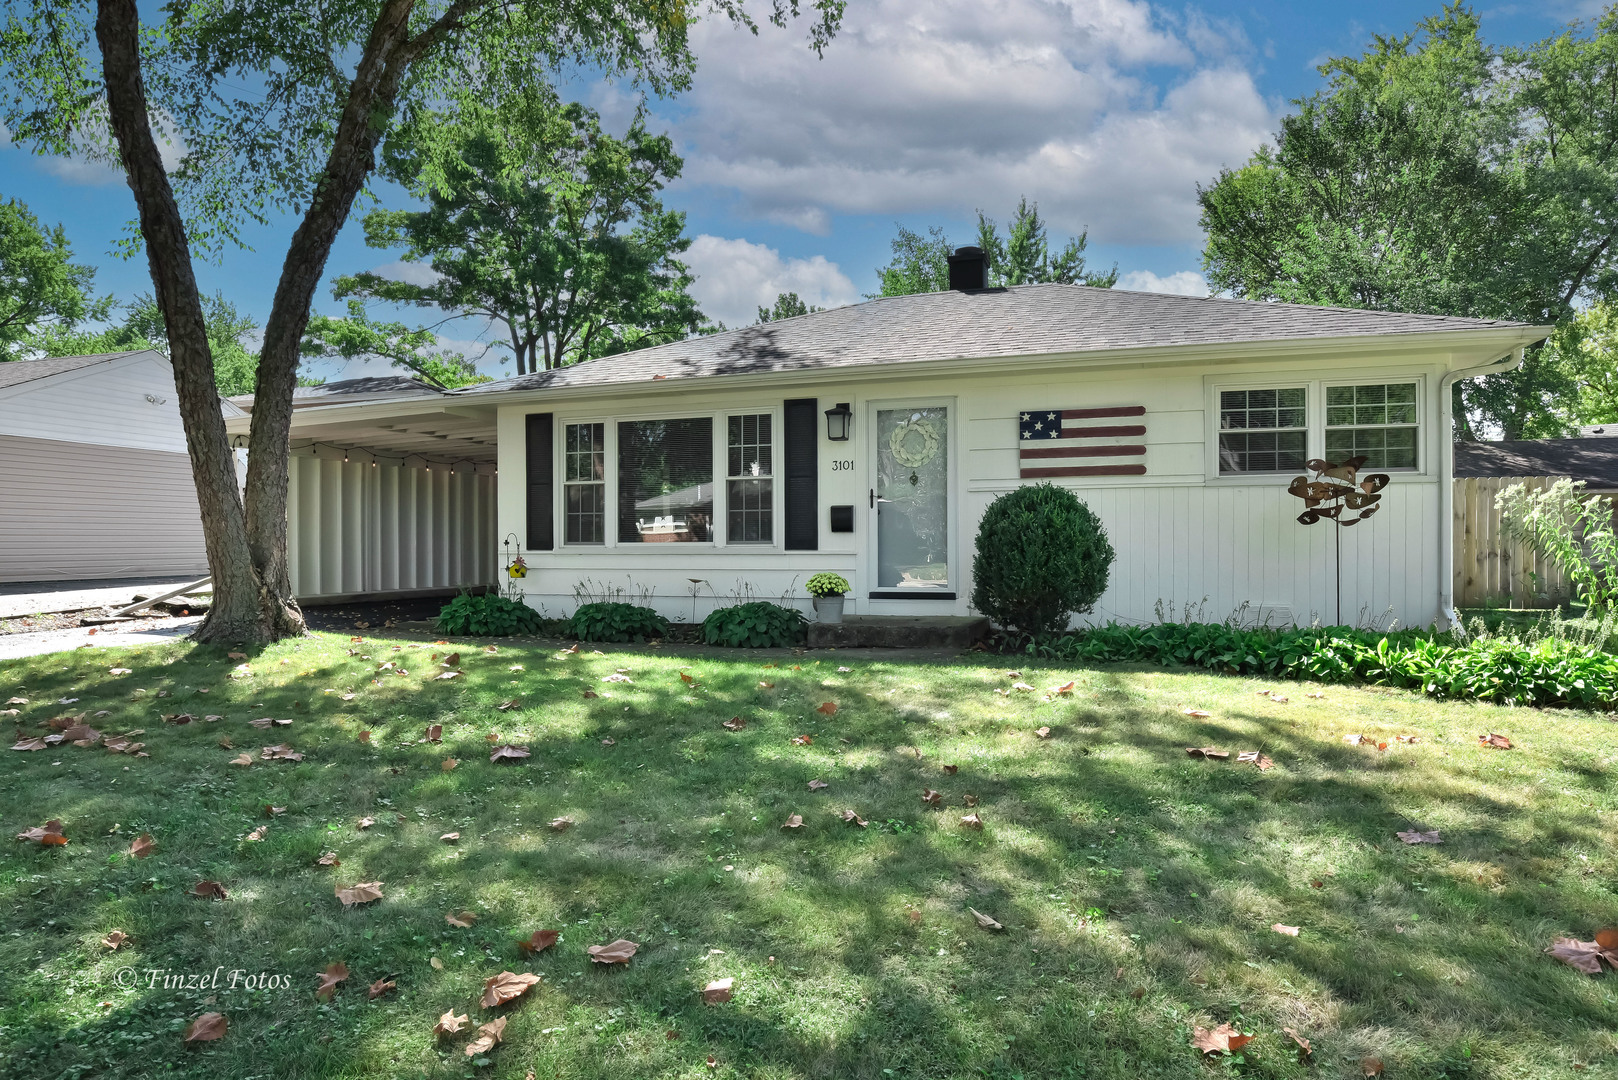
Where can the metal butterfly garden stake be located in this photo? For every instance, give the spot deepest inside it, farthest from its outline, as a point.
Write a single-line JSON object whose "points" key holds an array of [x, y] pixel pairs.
{"points": [[1337, 494]]}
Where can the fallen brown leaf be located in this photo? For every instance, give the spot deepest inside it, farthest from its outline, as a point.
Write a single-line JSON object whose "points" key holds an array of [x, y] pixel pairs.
{"points": [[818, 785], [1223, 1039], [258, 833], [853, 819], [507, 706], [280, 752], [972, 821], [1200, 714], [1209, 752], [463, 919], [1255, 758], [969, 801], [1371, 1066], [735, 723], [766, 686], [803, 740], [209, 890], [1494, 741], [1043, 733], [207, 1028], [1283, 928], [115, 939], [380, 987], [508, 753], [329, 980], [274, 811], [1304, 1049], [1416, 836], [1586, 956], [450, 837], [985, 921], [365, 823], [362, 893], [609, 741], [717, 992], [827, 707], [435, 733], [30, 744], [932, 798], [328, 859], [488, 1037], [449, 764], [538, 941], [449, 1023], [793, 821], [617, 952], [46, 835], [242, 759], [562, 824]]}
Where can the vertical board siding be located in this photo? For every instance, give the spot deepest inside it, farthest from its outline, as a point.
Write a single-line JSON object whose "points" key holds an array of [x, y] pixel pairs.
{"points": [[1489, 567], [354, 527]]}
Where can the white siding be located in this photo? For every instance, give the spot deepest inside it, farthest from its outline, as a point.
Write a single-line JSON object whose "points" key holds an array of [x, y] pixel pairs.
{"points": [[358, 527], [1181, 536], [73, 511], [105, 405]]}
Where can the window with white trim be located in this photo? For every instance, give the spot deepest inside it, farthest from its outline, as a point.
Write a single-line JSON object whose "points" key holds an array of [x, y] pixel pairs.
{"points": [[1263, 430], [666, 481], [749, 484], [584, 484], [1376, 420]]}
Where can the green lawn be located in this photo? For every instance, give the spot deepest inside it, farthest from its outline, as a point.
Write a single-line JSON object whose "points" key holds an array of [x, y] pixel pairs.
{"points": [[1136, 885]]}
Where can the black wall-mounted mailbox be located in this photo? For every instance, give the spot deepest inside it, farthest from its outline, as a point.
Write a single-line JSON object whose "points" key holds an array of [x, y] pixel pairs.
{"points": [[842, 519]]}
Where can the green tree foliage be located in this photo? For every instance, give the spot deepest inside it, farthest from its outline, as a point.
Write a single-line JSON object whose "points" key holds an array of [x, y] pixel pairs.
{"points": [[537, 220], [235, 364], [1437, 173], [415, 349], [1585, 348], [1021, 257], [787, 305], [42, 290], [1042, 556]]}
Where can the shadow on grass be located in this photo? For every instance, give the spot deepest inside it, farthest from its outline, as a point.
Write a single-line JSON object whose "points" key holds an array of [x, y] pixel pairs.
{"points": [[1115, 862]]}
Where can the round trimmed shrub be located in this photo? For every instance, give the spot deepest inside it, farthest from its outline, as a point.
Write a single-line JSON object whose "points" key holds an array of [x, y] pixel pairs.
{"points": [[1042, 557], [758, 625], [616, 622]]}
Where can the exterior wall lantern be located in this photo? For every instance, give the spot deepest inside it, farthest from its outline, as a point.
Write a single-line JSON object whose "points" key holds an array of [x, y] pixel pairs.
{"points": [[838, 422]]}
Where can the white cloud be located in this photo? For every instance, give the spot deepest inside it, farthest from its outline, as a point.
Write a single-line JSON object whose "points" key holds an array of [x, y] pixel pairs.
{"points": [[1180, 283], [964, 104], [737, 277], [411, 273]]}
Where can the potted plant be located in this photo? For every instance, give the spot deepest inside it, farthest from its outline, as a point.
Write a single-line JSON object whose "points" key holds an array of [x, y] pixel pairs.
{"points": [[828, 590]]}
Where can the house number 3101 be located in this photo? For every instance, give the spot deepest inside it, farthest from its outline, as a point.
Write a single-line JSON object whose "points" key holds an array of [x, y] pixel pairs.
{"points": [[842, 466]]}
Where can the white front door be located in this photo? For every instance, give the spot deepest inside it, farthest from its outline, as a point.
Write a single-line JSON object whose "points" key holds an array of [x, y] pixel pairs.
{"points": [[912, 501]]}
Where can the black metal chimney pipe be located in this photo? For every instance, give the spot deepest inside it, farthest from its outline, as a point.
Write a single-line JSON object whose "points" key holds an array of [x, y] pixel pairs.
{"points": [[968, 269]]}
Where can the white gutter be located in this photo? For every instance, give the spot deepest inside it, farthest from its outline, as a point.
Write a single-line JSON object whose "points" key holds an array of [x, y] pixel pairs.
{"points": [[1446, 479]]}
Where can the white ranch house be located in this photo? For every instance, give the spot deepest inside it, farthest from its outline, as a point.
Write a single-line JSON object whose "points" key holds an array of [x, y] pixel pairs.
{"points": [[868, 440]]}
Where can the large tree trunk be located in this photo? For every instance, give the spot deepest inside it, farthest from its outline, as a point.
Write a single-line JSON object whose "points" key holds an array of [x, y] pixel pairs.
{"points": [[236, 614], [246, 543], [352, 157]]}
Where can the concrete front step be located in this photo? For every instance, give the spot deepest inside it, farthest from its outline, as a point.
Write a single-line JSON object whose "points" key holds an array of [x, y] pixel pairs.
{"points": [[899, 632]]}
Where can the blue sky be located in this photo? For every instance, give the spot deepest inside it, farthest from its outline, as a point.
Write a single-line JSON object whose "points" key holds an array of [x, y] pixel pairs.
{"points": [[1105, 112]]}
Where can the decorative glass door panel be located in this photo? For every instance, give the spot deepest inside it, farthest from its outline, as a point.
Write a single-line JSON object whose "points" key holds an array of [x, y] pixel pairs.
{"points": [[912, 499]]}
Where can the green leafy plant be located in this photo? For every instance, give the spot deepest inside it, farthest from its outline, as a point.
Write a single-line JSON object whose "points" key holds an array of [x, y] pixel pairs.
{"points": [[489, 614], [1570, 530], [827, 584], [616, 622], [1543, 670], [758, 625], [1042, 557]]}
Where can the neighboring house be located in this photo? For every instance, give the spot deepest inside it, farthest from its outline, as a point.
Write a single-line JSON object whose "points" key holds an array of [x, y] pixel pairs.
{"points": [[869, 439], [1489, 567], [95, 481]]}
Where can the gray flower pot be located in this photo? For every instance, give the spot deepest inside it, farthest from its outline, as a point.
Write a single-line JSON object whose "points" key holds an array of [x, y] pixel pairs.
{"points": [[829, 609]]}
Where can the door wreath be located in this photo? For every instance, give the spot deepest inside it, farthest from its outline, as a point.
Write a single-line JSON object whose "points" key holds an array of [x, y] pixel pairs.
{"points": [[903, 444]]}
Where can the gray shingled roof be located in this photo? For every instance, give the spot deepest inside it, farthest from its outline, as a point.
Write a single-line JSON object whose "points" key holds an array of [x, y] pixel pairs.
{"points": [[17, 372], [1027, 320], [1594, 461], [345, 390]]}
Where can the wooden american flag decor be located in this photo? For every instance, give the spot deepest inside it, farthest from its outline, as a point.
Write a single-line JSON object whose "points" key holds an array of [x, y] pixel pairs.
{"points": [[1069, 442]]}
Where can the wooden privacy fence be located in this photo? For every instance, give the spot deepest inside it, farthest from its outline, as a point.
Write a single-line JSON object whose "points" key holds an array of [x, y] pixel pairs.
{"points": [[1489, 568]]}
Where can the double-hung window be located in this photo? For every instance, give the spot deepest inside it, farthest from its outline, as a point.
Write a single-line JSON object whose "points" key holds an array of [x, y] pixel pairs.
{"points": [[666, 481], [584, 486], [1376, 421], [750, 484], [1263, 430]]}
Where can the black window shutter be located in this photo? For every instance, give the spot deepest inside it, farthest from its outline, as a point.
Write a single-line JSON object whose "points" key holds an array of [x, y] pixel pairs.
{"points": [[801, 432], [541, 483]]}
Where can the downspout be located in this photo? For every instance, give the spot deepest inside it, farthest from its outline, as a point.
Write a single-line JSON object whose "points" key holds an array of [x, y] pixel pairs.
{"points": [[1446, 480]]}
